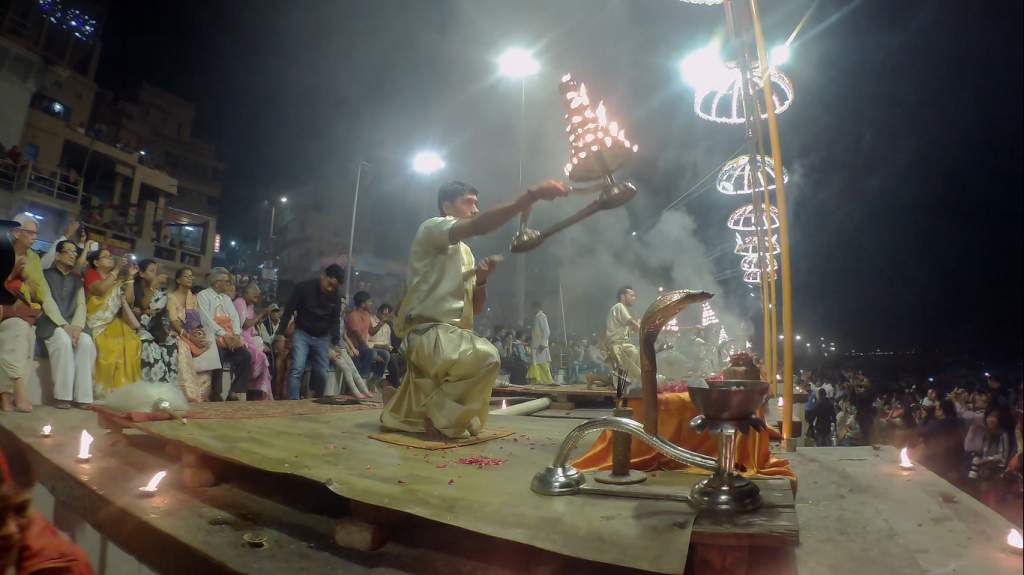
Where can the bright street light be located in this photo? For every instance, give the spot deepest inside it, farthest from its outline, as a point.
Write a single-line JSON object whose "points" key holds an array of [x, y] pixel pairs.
{"points": [[427, 162], [233, 243], [779, 55], [284, 199], [517, 63], [705, 69]]}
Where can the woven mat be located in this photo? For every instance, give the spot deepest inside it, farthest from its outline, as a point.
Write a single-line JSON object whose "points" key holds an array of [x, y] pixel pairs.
{"points": [[239, 410], [421, 442]]}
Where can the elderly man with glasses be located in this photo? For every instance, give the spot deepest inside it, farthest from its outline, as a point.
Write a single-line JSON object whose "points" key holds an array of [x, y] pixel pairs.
{"points": [[17, 331], [224, 330]]}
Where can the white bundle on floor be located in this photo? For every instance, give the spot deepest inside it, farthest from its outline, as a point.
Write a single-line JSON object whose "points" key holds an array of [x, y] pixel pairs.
{"points": [[147, 396]]}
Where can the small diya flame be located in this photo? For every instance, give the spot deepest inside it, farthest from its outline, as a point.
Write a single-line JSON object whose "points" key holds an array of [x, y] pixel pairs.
{"points": [[47, 430], [905, 462], [781, 401], [151, 486], [504, 404], [83, 446], [1014, 539]]}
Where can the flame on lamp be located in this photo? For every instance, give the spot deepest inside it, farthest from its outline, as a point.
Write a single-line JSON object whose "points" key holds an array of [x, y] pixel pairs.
{"points": [[83, 446], [47, 430], [151, 486], [504, 404], [905, 462], [1014, 539]]}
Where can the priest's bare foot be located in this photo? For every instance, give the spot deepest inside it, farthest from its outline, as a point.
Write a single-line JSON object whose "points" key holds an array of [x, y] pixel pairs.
{"points": [[5, 402]]}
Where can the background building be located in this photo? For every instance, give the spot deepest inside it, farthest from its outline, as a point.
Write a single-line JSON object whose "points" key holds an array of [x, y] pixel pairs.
{"points": [[127, 168]]}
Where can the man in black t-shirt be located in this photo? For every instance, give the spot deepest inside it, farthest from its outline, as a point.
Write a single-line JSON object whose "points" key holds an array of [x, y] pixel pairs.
{"points": [[316, 305]]}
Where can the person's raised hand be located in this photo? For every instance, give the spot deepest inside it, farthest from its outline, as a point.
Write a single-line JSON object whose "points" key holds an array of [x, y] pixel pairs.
{"points": [[71, 230], [548, 190]]}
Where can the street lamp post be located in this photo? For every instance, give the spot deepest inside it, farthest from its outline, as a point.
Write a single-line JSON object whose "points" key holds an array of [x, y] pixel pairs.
{"points": [[517, 63], [425, 162], [352, 230]]}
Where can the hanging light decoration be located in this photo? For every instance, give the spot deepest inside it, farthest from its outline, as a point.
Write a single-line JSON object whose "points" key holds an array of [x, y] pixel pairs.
{"points": [[707, 315], [736, 177], [597, 145], [750, 263], [752, 277], [724, 103], [743, 219], [704, 2], [722, 336], [748, 245]]}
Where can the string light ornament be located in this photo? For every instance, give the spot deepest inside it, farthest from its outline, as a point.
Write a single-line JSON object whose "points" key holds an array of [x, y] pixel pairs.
{"points": [[672, 325], [743, 219], [752, 277], [750, 263], [703, 2], [737, 177], [80, 24], [597, 146], [722, 102], [748, 245], [722, 336], [707, 315]]}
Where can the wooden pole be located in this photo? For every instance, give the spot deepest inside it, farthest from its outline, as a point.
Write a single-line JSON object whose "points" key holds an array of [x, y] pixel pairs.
{"points": [[780, 196]]}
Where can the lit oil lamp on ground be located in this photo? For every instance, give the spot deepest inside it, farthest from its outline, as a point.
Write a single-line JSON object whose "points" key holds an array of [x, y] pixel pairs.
{"points": [[1015, 540], [83, 447], [47, 431], [905, 463], [149, 489]]}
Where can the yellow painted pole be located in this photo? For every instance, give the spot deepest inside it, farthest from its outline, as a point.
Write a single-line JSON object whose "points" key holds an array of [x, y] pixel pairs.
{"points": [[780, 196]]}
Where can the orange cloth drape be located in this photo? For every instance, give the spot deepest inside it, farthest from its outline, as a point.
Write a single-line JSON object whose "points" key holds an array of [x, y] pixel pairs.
{"points": [[675, 410]]}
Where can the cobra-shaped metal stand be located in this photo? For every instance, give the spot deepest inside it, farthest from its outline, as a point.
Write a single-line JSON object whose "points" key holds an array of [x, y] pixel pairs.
{"points": [[727, 408]]}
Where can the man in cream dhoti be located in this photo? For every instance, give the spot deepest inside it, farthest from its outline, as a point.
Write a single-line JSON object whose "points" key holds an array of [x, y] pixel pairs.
{"points": [[618, 329], [450, 370], [540, 368]]}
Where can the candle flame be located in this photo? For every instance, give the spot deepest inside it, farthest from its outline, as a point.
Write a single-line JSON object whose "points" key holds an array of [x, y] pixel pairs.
{"points": [[47, 429], [83, 445], [504, 404], [151, 486], [1014, 539], [905, 462], [781, 401]]}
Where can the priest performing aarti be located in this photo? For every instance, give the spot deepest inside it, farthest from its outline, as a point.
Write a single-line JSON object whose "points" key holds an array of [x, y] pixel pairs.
{"points": [[446, 391]]}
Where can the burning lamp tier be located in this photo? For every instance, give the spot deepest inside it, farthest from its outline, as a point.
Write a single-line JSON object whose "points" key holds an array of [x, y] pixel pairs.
{"points": [[597, 147]]}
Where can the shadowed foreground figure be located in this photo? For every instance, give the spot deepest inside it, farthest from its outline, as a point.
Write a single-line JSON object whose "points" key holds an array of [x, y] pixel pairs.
{"points": [[451, 370], [28, 542]]}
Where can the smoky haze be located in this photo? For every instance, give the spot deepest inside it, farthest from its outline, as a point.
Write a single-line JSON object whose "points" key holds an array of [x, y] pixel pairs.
{"points": [[894, 140]]}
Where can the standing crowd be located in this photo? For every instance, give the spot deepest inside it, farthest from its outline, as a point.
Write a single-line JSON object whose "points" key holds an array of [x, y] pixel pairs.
{"points": [[967, 432]]}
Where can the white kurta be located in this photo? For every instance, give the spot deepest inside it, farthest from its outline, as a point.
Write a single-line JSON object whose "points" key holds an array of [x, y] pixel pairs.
{"points": [[540, 336], [450, 370], [212, 304]]}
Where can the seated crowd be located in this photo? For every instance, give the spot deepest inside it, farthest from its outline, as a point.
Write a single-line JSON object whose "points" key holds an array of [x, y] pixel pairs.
{"points": [[106, 322]]}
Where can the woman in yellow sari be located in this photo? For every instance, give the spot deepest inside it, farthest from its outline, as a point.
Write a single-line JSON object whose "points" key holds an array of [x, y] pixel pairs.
{"points": [[108, 314]]}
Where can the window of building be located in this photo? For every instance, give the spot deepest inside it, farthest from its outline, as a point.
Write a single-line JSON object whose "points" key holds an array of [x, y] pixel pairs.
{"points": [[51, 107]]}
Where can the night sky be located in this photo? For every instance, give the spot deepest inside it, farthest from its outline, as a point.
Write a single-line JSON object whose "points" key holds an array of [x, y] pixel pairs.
{"points": [[904, 141]]}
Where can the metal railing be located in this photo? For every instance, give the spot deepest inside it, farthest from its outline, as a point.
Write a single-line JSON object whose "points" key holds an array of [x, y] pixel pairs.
{"points": [[52, 182]]}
